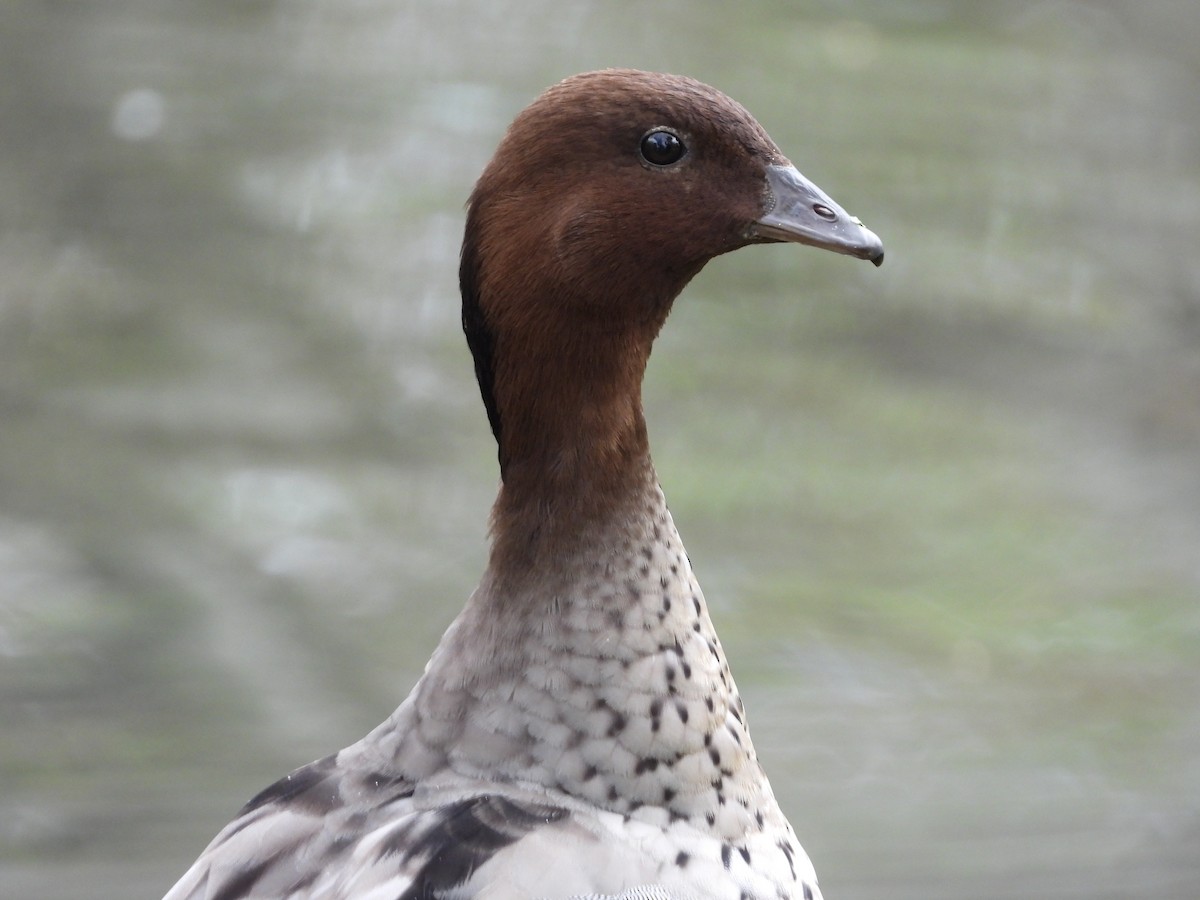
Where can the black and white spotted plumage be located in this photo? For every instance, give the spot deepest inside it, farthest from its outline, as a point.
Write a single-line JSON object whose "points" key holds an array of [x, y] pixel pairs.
{"points": [[645, 776]]}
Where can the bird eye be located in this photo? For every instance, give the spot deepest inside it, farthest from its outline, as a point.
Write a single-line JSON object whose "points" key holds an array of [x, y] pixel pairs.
{"points": [[662, 148]]}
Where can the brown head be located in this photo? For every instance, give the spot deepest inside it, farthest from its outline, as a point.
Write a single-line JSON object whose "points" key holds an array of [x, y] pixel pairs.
{"points": [[605, 197]]}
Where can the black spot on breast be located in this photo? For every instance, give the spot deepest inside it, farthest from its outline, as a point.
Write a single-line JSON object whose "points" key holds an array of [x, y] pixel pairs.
{"points": [[682, 859], [648, 764], [808, 892], [617, 725], [681, 710], [745, 851], [726, 855]]}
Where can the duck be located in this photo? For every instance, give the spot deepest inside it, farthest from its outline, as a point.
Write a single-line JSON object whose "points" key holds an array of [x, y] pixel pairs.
{"points": [[577, 732]]}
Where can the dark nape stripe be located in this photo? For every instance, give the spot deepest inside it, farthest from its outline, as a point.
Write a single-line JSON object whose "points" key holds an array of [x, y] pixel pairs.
{"points": [[479, 335]]}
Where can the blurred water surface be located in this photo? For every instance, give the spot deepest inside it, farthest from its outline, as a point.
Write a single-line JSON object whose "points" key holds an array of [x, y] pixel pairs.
{"points": [[947, 512]]}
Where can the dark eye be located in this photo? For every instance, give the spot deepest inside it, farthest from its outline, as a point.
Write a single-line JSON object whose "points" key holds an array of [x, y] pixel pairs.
{"points": [[661, 148]]}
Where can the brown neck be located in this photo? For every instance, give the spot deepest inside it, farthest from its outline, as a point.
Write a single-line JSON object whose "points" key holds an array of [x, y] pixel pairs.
{"points": [[573, 444], [560, 349]]}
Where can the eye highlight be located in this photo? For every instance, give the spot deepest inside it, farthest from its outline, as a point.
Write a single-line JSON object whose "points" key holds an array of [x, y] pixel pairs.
{"points": [[662, 148]]}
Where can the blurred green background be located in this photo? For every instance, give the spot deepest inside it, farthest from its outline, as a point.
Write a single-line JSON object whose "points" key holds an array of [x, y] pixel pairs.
{"points": [[946, 512]]}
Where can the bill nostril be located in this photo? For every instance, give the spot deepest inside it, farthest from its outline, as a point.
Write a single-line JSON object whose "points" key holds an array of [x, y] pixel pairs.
{"points": [[824, 212]]}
